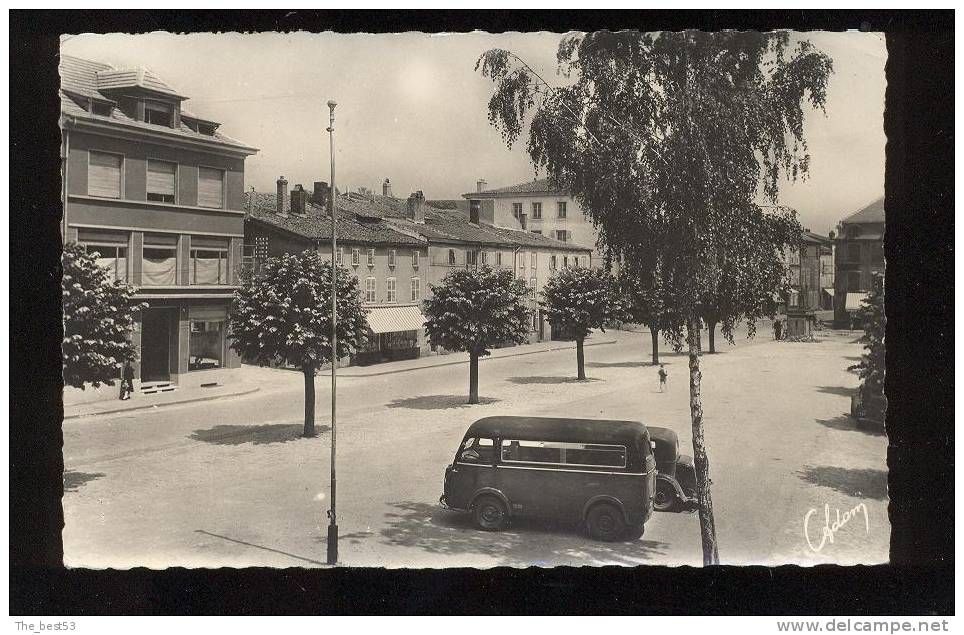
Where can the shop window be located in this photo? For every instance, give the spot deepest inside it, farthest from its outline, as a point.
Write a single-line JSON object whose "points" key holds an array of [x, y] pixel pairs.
{"points": [[370, 290], [104, 174], [113, 258], [161, 181], [209, 266], [390, 289], [159, 266], [206, 348]]}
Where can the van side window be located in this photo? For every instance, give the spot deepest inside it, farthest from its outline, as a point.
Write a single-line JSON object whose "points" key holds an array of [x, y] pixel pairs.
{"points": [[559, 453], [477, 450], [531, 451]]}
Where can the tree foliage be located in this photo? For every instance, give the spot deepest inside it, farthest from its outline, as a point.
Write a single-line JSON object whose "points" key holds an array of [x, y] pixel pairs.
{"points": [[473, 310], [579, 300], [669, 141], [283, 316], [872, 368], [99, 317]]}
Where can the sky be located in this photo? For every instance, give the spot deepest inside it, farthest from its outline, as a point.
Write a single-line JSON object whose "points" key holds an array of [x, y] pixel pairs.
{"points": [[412, 108]]}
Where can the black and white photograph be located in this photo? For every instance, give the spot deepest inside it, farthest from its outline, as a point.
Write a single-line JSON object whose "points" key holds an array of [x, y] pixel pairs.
{"points": [[481, 300], [600, 298]]}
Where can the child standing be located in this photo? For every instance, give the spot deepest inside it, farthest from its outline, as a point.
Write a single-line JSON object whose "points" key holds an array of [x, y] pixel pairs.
{"points": [[662, 378]]}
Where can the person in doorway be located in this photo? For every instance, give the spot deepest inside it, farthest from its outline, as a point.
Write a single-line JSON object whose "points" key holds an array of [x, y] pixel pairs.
{"points": [[127, 382], [662, 378]]}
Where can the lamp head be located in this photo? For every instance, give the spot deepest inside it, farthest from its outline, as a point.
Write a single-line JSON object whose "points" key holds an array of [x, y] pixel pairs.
{"points": [[332, 103]]}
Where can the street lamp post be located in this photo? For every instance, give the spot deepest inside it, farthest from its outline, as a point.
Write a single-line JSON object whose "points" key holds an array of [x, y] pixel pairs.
{"points": [[332, 518]]}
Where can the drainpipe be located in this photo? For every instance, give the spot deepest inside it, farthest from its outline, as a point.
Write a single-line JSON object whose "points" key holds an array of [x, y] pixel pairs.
{"points": [[66, 134]]}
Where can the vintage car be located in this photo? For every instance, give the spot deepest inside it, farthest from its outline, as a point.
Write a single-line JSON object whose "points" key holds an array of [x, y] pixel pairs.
{"points": [[596, 472], [675, 474]]}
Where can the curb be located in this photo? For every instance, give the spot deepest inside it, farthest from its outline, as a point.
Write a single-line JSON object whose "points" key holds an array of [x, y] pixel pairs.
{"points": [[162, 405], [453, 363]]}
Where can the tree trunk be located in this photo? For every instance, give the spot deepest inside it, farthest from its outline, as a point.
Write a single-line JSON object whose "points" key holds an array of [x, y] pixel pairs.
{"points": [[712, 327], [711, 553], [309, 372], [580, 358], [473, 377], [654, 333]]}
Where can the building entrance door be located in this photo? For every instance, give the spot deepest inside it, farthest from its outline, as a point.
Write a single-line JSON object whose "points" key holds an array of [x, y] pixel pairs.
{"points": [[156, 345]]}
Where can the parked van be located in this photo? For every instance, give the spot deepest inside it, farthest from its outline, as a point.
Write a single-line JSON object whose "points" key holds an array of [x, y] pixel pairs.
{"points": [[597, 472]]}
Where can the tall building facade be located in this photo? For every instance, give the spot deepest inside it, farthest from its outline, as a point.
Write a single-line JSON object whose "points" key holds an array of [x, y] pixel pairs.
{"points": [[157, 193], [540, 208], [858, 254]]}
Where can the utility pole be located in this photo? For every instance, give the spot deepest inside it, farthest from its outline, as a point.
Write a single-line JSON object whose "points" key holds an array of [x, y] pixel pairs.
{"points": [[332, 518]]}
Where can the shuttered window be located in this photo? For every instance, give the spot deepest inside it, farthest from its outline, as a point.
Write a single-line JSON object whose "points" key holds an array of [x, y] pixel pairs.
{"points": [[161, 181], [104, 174], [210, 187]]}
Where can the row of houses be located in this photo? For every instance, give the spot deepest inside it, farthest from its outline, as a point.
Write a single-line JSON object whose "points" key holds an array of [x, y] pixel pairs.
{"points": [[158, 194]]}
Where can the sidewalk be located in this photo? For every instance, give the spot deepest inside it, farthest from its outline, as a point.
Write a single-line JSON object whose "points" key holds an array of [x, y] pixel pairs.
{"points": [[143, 402], [451, 359]]}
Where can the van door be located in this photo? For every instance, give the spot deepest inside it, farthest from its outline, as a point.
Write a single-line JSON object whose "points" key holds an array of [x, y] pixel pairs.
{"points": [[528, 473]]}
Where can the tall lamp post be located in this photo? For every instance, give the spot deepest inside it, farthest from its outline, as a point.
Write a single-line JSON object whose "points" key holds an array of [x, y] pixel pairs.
{"points": [[332, 518]]}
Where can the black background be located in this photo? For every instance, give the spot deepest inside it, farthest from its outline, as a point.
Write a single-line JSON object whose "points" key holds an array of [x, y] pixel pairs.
{"points": [[919, 243]]}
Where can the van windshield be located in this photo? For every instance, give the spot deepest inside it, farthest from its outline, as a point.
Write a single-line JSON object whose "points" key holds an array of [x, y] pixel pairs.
{"points": [[477, 450]]}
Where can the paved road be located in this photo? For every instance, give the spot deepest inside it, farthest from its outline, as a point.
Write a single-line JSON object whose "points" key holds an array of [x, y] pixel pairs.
{"points": [[231, 483]]}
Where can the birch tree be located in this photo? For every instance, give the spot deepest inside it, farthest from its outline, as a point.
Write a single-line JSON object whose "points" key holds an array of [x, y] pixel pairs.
{"points": [[676, 144]]}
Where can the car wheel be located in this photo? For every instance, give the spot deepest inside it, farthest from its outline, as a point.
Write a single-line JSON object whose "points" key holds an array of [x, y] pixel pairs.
{"points": [[490, 513], [634, 532], [665, 499], [605, 522]]}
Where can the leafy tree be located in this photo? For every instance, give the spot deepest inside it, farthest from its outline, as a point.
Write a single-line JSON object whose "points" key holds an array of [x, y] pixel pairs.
{"points": [[283, 315], [474, 310], [581, 299], [645, 299], [873, 367], [668, 141], [98, 320]]}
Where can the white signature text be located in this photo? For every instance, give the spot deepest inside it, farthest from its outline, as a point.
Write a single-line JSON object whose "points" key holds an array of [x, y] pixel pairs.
{"points": [[830, 528]]}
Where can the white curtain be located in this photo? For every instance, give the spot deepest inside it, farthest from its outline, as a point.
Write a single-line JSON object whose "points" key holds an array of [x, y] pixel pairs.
{"points": [[159, 268], [210, 270]]}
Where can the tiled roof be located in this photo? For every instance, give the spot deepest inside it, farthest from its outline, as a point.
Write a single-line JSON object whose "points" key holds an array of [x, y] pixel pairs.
{"points": [[80, 78], [113, 79], [873, 213], [316, 224], [812, 238], [538, 186]]}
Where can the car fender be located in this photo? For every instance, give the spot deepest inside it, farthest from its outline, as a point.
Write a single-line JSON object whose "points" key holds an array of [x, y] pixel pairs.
{"points": [[493, 492], [672, 481], [604, 498]]}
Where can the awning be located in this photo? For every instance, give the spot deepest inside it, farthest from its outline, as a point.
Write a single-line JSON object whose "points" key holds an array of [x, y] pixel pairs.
{"points": [[395, 318], [854, 301]]}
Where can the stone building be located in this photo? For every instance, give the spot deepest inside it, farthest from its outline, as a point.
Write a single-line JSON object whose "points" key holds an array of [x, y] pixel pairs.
{"points": [[858, 254]]}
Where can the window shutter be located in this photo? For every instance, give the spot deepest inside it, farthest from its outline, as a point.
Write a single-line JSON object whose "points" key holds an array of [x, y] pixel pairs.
{"points": [[161, 177], [210, 187], [104, 175]]}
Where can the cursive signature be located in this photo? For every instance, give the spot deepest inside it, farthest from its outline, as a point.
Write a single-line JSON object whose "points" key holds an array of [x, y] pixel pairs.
{"points": [[831, 528]]}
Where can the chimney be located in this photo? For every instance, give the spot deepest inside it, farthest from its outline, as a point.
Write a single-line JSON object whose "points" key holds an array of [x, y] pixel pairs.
{"points": [[416, 206], [282, 195], [522, 219], [387, 188], [475, 206], [480, 185], [321, 194], [299, 200]]}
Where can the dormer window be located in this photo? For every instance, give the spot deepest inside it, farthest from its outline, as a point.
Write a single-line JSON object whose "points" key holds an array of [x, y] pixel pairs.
{"points": [[159, 113], [206, 128], [101, 108]]}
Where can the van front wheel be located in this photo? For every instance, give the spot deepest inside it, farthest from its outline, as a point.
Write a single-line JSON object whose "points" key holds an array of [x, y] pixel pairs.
{"points": [[490, 514], [634, 533], [605, 522]]}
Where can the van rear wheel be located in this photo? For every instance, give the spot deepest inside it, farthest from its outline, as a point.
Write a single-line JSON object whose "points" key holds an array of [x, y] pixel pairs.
{"points": [[490, 513], [605, 522], [634, 533], [665, 499]]}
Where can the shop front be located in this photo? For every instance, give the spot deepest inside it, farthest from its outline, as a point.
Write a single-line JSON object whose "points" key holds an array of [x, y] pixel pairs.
{"points": [[395, 333]]}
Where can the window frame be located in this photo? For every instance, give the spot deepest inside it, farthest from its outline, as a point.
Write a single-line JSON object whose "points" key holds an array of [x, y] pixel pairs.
{"points": [[192, 266], [123, 174], [371, 290], [391, 258], [391, 290], [553, 262], [170, 113], [533, 260], [562, 210], [177, 264], [562, 446], [371, 257], [177, 177], [416, 289], [355, 256], [100, 246], [537, 210], [415, 256], [224, 184], [498, 258], [453, 260], [517, 210]]}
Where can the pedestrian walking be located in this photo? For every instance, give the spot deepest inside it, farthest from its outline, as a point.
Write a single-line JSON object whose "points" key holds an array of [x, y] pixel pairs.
{"points": [[662, 378], [777, 329], [127, 382]]}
